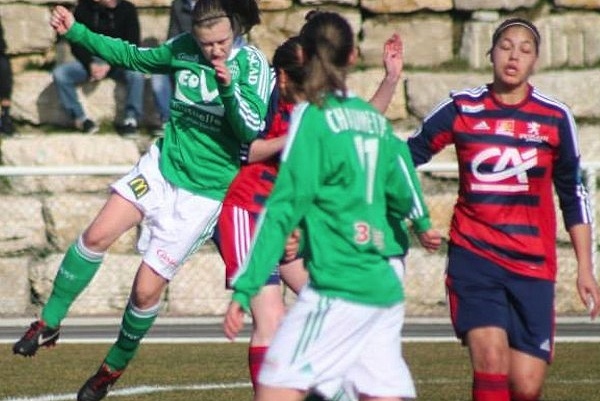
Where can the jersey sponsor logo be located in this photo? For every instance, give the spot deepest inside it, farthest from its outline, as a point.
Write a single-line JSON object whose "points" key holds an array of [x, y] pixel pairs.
{"points": [[508, 163], [187, 79], [254, 64], [505, 127], [194, 58], [481, 126], [139, 186], [467, 108], [533, 133], [166, 258]]}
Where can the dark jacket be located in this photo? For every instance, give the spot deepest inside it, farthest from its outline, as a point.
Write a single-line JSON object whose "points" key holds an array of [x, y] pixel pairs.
{"points": [[119, 22], [2, 42], [180, 19]]}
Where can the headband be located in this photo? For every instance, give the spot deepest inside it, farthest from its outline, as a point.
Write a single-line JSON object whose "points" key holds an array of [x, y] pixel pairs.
{"points": [[516, 22]]}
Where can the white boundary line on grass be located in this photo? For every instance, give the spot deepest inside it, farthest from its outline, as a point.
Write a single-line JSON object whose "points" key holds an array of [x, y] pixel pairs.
{"points": [[141, 390], [138, 390], [219, 340]]}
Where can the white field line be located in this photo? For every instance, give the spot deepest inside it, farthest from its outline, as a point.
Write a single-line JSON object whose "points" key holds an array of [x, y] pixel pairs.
{"points": [[208, 340], [141, 390]]}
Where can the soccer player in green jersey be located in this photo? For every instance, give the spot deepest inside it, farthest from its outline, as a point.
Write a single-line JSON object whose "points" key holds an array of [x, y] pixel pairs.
{"points": [[343, 174], [222, 86]]}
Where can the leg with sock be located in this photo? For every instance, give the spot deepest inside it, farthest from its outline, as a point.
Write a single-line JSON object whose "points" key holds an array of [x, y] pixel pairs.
{"points": [[134, 326], [256, 356], [76, 270]]}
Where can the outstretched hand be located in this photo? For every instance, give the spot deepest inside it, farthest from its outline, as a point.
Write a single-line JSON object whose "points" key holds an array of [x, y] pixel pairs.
{"points": [[61, 20], [393, 57], [233, 321]]}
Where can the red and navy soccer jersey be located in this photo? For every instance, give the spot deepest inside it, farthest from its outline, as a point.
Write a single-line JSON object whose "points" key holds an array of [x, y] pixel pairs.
{"points": [[509, 156], [253, 183]]}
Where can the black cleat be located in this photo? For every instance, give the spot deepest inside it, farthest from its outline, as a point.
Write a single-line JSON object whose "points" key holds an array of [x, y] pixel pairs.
{"points": [[97, 386], [38, 335]]}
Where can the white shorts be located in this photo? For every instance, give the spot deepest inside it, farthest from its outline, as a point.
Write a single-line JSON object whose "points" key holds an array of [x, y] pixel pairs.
{"points": [[176, 222], [324, 342]]}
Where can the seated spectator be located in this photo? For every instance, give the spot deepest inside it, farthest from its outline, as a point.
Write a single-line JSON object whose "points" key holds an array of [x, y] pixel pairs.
{"points": [[115, 18], [180, 20], [6, 81]]}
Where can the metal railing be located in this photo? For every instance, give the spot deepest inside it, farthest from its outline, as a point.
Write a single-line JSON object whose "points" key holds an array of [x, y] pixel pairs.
{"points": [[590, 169]]}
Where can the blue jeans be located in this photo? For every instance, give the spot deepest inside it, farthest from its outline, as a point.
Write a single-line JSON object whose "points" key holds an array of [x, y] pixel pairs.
{"points": [[68, 76], [162, 89]]}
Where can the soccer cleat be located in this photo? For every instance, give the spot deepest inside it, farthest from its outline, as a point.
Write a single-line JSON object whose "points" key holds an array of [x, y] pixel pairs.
{"points": [[38, 335], [97, 386]]}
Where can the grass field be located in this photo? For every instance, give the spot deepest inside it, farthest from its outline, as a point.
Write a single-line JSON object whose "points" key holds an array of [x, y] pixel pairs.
{"points": [[217, 372]]}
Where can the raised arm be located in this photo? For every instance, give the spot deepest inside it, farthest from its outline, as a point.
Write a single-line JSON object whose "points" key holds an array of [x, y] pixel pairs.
{"points": [[393, 61], [61, 20]]}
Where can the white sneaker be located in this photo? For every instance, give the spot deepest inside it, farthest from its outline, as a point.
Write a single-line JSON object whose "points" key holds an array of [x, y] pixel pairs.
{"points": [[129, 126]]}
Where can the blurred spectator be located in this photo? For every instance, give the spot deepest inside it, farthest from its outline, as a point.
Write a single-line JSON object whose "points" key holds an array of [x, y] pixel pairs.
{"points": [[6, 84], [180, 20], [115, 18]]}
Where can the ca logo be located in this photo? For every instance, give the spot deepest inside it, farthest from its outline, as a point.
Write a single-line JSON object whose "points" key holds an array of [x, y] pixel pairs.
{"points": [[507, 163]]}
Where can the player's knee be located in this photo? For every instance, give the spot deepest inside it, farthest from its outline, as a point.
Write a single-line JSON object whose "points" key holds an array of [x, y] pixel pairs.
{"points": [[94, 241], [530, 394], [526, 387], [492, 360]]}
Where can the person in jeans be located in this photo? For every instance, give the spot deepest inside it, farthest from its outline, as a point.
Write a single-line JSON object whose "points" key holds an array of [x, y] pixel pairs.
{"points": [[6, 84], [114, 18], [180, 20]]}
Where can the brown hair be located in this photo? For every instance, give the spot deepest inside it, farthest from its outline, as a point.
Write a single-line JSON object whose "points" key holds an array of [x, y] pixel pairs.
{"points": [[287, 58], [327, 41]]}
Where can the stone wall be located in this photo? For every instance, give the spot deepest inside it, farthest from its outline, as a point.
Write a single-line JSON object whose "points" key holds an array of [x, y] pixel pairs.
{"points": [[445, 48]]}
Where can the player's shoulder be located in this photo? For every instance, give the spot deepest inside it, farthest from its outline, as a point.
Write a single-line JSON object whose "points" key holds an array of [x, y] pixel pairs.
{"points": [[470, 93], [251, 53], [549, 101]]}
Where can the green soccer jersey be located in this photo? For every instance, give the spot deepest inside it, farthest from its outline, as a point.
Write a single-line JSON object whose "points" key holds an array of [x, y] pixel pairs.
{"points": [[419, 215], [199, 151], [343, 174]]}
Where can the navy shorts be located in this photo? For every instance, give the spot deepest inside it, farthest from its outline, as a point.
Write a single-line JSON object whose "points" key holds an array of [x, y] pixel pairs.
{"points": [[482, 293]]}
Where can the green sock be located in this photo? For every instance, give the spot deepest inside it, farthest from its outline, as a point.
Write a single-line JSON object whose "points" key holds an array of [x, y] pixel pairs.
{"points": [[76, 270], [134, 326]]}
